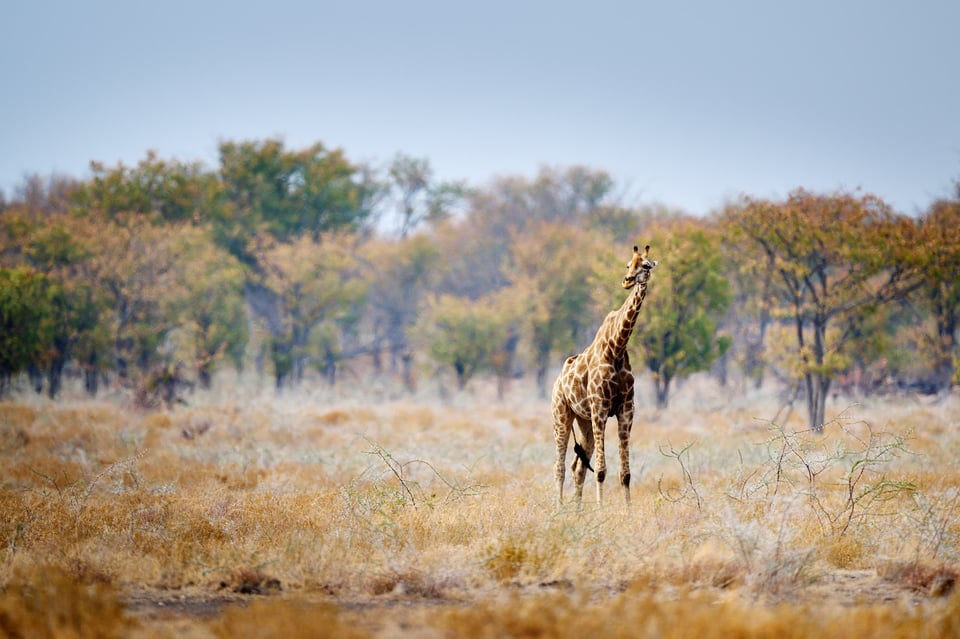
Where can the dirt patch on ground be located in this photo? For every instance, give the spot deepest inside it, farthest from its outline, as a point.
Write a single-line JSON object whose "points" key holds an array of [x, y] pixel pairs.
{"points": [[858, 588], [188, 613]]}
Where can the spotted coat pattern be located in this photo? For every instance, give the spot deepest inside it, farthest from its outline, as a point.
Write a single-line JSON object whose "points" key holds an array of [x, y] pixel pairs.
{"points": [[598, 384]]}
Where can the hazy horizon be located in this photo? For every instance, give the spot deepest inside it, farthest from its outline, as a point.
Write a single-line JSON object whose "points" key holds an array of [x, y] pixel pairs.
{"points": [[687, 105]]}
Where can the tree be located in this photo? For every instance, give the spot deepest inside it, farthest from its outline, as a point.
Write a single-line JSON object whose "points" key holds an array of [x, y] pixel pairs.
{"points": [[289, 193], [316, 286], [477, 249], [399, 275], [419, 198], [834, 259], [161, 190], [749, 314], [554, 269], [24, 322], [134, 265], [940, 291], [689, 296], [210, 315], [462, 334], [52, 243]]}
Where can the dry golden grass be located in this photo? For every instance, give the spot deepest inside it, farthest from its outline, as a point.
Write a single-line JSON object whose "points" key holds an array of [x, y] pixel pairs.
{"points": [[306, 516]]}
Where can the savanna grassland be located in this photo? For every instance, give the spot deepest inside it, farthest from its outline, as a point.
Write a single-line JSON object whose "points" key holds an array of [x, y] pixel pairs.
{"points": [[252, 514]]}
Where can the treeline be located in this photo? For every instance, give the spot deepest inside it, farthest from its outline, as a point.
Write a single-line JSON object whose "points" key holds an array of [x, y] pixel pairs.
{"points": [[291, 260]]}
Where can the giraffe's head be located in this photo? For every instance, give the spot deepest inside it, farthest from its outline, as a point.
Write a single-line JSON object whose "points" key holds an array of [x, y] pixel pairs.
{"points": [[638, 268]]}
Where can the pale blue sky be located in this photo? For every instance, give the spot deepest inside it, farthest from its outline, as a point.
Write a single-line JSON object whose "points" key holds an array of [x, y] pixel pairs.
{"points": [[687, 103]]}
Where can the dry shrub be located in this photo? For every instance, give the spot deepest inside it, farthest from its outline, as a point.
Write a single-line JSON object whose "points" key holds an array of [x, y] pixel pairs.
{"points": [[53, 604], [92, 414], [410, 582], [412, 418], [716, 573], [523, 557], [241, 478], [16, 417], [846, 551], [335, 417], [14, 518], [935, 580], [285, 619], [159, 421], [341, 416], [252, 581]]}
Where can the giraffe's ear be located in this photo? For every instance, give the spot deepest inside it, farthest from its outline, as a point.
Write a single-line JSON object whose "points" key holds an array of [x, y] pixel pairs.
{"points": [[646, 251], [636, 249]]}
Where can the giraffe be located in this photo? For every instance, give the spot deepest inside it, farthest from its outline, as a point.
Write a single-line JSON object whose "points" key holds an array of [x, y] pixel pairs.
{"points": [[597, 384]]}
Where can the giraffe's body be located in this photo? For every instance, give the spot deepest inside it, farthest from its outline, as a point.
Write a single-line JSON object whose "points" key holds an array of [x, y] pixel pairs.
{"points": [[598, 384]]}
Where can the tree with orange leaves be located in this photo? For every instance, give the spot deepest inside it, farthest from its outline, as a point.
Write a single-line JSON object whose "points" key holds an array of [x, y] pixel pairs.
{"points": [[834, 258], [940, 263]]}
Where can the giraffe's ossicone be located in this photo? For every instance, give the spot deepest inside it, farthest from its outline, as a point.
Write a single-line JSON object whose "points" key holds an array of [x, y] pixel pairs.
{"points": [[598, 384]]}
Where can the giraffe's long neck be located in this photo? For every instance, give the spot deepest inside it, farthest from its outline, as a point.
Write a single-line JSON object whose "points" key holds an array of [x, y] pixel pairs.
{"points": [[626, 318]]}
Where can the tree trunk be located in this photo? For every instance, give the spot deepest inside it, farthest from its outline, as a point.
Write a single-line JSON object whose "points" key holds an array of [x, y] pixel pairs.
{"points": [[661, 384], [55, 374], [946, 329], [330, 367], [204, 375], [91, 381], [91, 376], [817, 389], [36, 377], [818, 382], [409, 382]]}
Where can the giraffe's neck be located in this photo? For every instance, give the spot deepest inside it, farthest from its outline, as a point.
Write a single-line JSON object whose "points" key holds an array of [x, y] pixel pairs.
{"points": [[625, 319]]}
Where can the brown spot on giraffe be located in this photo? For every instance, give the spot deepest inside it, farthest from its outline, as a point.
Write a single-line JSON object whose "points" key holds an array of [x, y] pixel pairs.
{"points": [[597, 384]]}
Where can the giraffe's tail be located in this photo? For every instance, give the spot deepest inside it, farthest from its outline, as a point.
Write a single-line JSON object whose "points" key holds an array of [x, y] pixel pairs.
{"points": [[580, 453]]}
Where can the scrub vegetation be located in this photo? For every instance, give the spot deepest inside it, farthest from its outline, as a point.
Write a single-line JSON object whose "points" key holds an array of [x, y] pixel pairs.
{"points": [[253, 514]]}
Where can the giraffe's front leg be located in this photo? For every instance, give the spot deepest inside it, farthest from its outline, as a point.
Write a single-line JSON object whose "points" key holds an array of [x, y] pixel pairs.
{"points": [[624, 425], [599, 419]]}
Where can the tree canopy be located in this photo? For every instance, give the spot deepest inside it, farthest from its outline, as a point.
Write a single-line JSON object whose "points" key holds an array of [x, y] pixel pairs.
{"points": [[291, 261], [678, 332]]}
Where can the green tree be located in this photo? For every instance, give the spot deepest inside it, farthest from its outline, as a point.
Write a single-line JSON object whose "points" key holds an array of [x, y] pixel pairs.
{"points": [[834, 259], [53, 244], [210, 315], [24, 322], [690, 294], [289, 193], [462, 334], [164, 191]]}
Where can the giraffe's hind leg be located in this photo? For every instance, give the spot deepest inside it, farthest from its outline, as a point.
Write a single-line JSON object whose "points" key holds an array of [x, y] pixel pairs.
{"points": [[579, 468], [562, 426]]}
